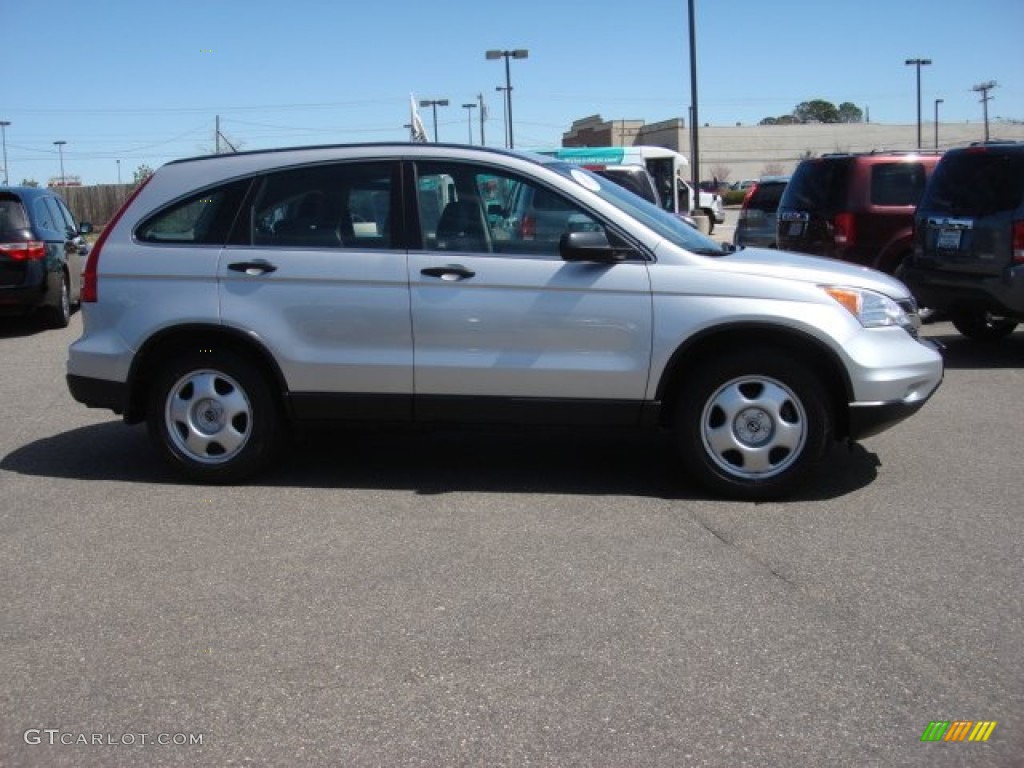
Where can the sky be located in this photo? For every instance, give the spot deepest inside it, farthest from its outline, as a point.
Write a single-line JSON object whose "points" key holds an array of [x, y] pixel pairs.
{"points": [[127, 83]]}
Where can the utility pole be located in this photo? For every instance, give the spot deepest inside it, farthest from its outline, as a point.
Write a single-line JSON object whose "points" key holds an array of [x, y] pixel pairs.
{"points": [[216, 135], [983, 89]]}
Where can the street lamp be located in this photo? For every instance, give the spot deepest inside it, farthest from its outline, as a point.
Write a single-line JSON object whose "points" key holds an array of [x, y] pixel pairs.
{"points": [[434, 104], [504, 111], [937, 102], [3, 130], [60, 151], [918, 63], [469, 118], [518, 53]]}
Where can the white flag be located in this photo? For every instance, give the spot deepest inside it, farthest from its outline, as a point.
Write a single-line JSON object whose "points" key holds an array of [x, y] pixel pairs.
{"points": [[417, 132]]}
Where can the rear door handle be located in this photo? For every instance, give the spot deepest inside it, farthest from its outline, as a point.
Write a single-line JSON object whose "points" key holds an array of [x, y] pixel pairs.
{"points": [[256, 267], [448, 272]]}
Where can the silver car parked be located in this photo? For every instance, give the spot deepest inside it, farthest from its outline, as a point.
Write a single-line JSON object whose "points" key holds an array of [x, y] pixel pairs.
{"points": [[237, 295]]}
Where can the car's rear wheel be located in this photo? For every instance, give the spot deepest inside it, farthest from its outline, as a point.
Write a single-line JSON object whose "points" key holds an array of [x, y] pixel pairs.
{"points": [[750, 426], [213, 416], [59, 315], [982, 326]]}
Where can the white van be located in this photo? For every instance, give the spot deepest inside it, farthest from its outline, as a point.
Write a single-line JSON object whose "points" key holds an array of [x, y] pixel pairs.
{"points": [[668, 167]]}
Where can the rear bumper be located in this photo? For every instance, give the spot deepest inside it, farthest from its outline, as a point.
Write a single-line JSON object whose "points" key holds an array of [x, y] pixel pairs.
{"points": [[98, 393], [938, 289]]}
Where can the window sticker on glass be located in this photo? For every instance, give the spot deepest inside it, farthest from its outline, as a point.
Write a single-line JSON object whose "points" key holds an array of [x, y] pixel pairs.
{"points": [[585, 180]]}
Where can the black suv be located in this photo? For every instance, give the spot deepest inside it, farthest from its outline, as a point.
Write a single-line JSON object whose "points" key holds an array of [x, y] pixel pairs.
{"points": [[855, 207], [969, 240], [41, 250]]}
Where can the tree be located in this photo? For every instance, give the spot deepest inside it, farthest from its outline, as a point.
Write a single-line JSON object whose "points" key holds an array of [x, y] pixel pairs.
{"points": [[773, 169], [29, 183], [721, 172], [816, 111], [850, 113], [142, 173]]}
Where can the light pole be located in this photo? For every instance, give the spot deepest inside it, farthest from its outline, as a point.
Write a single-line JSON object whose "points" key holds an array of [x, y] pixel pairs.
{"points": [[518, 53], [60, 151], [483, 118], [918, 63], [119, 170], [469, 118], [434, 104], [694, 119], [3, 130], [504, 112], [937, 102]]}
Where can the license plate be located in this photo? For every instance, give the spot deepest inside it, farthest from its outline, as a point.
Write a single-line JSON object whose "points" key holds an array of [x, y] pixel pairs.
{"points": [[948, 240], [796, 228]]}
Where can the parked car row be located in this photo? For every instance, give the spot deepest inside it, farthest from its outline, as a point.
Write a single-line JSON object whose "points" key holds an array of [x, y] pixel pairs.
{"points": [[951, 225]]}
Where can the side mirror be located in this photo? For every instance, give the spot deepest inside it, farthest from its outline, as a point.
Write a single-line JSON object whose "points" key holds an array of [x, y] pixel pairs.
{"points": [[590, 246], [84, 228]]}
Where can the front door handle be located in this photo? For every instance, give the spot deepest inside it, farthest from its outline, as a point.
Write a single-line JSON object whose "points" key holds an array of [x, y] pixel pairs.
{"points": [[256, 267], [448, 272]]}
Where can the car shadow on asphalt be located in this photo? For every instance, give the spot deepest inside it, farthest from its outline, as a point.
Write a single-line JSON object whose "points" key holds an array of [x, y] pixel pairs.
{"points": [[436, 461], [961, 352]]}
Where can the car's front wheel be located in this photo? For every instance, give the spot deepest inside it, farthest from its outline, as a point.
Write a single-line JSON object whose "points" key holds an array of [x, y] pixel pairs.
{"points": [[751, 425], [213, 415], [982, 326]]}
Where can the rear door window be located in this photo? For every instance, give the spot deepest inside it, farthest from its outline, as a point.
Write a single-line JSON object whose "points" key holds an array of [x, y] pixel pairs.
{"points": [[899, 183], [341, 205]]}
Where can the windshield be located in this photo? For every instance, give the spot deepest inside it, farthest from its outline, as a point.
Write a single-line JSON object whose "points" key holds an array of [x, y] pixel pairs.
{"points": [[667, 225]]}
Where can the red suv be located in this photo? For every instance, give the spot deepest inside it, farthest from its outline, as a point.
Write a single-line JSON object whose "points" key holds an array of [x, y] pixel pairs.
{"points": [[855, 207]]}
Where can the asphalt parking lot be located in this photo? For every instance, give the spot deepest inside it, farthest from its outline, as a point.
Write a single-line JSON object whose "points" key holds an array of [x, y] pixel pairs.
{"points": [[502, 599]]}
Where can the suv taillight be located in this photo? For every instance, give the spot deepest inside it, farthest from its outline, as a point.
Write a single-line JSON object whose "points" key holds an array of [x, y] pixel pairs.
{"points": [[90, 287], [33, 250], [843, 229], [1018, 242]]}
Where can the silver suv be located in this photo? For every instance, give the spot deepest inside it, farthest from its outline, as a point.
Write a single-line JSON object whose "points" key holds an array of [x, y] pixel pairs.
{"points": [[237, 296]]}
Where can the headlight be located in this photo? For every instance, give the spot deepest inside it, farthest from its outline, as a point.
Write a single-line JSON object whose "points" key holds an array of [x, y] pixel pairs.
{"points": [[872, 310]]}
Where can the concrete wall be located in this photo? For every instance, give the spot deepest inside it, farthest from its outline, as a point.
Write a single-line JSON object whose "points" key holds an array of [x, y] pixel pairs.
{"points": [[751, 151]]}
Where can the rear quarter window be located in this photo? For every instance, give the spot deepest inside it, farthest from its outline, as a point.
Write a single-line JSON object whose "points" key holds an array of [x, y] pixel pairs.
{"points": [[204, 218], [897, 184]]}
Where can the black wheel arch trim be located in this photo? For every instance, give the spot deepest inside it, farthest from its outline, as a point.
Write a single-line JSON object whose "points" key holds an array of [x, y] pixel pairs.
{"points": [[794, 340], [192, 336]]}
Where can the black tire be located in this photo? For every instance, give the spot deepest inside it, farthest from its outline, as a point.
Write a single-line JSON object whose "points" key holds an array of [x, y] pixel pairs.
{"points": [[751, 425], [213, 416], [982, 326], [59, 315]]}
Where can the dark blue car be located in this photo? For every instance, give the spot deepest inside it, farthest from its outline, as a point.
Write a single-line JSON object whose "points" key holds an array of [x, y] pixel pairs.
{"points": [[41, 255]]}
